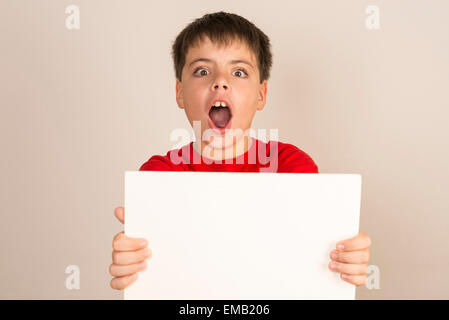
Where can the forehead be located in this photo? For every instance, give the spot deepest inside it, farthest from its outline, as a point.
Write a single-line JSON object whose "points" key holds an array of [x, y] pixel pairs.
{"points": [[235, 49]]}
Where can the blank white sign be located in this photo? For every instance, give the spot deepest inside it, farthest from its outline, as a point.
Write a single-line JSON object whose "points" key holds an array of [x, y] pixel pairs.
{"points": [[226, 235]]}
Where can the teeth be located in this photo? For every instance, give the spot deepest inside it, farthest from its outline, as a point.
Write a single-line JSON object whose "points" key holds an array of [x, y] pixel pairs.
{"points": [[220, 104]]}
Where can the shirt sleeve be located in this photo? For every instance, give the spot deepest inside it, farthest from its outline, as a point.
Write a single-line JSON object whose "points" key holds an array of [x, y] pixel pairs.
{"points": [[294, 160], [159, 163]]}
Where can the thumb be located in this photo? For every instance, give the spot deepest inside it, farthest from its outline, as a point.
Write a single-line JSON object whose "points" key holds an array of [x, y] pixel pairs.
{"points": [[119, 213]]}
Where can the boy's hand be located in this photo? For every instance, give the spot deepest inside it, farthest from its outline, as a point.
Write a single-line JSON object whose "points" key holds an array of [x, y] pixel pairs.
{"points": [[351, 259], [128, 256]]}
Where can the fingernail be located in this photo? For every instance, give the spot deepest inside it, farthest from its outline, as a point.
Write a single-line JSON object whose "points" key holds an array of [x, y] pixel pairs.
{"points": [[333, 266], [144, 243], [334, 255], [134, 276], [147, 252], [340, 247], [344, 276], [143, 265]]}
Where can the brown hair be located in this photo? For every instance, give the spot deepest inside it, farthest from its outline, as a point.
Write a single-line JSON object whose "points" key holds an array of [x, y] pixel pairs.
{"points": [[222, 28]]}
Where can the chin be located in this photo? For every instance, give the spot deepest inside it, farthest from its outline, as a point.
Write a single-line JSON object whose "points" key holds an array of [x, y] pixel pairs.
{"points": [[218, 140]]}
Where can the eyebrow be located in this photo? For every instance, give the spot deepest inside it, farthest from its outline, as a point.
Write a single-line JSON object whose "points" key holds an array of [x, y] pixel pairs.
{"points": [[231, 62]]}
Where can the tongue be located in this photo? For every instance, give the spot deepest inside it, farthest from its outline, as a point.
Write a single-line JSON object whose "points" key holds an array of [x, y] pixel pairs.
{"points": [[220, 116]]}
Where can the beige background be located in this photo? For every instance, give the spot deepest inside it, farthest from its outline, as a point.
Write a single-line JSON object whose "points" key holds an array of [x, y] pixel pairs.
{"points": [[80, 107]]}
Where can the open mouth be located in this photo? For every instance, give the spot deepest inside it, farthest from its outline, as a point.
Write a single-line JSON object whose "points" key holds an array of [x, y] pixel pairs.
{"points": [[220, 114]]}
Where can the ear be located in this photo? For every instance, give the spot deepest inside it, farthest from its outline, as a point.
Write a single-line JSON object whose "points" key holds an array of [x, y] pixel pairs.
{"points": [[262, 95], [179, 99]]}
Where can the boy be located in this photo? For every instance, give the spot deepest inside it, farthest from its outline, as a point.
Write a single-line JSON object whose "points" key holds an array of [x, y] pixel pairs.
{"points": [[222, 64]]}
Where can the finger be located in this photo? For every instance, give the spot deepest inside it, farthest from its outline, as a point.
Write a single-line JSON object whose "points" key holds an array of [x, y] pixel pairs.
{"points": [[120, 271], [359, 242], [122, 282], [128, 257], [119, 213], [357, 280], [358, 257], [348, 268], [121, 242]]}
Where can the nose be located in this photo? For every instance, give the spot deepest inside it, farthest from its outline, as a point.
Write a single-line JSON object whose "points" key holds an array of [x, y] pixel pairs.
{"points": [[220, 82], [217, 86]]}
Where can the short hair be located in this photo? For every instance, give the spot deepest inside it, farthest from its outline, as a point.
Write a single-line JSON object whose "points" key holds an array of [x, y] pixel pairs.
{"points": [[223, 28]]}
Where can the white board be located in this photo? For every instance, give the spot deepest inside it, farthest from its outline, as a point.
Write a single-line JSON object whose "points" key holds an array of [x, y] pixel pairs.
{"points": [[226, 235]]}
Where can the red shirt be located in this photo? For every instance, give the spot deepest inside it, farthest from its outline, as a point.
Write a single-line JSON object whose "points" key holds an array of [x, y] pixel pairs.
{"points": [[273, 156]]}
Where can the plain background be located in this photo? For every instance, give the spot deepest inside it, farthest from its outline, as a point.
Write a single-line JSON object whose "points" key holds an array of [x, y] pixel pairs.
{"points": [[79, 107]]}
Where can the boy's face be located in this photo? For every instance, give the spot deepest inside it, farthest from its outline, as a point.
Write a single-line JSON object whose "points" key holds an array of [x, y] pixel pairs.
{"points": [[227, 73]]}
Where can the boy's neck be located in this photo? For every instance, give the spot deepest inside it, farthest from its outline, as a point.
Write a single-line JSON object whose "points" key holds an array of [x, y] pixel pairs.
{"points": [[240, 147]]}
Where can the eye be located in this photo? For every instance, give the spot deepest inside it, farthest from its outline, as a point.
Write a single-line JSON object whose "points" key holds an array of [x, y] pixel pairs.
{"points": [[203, 72], [240, 72]]}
